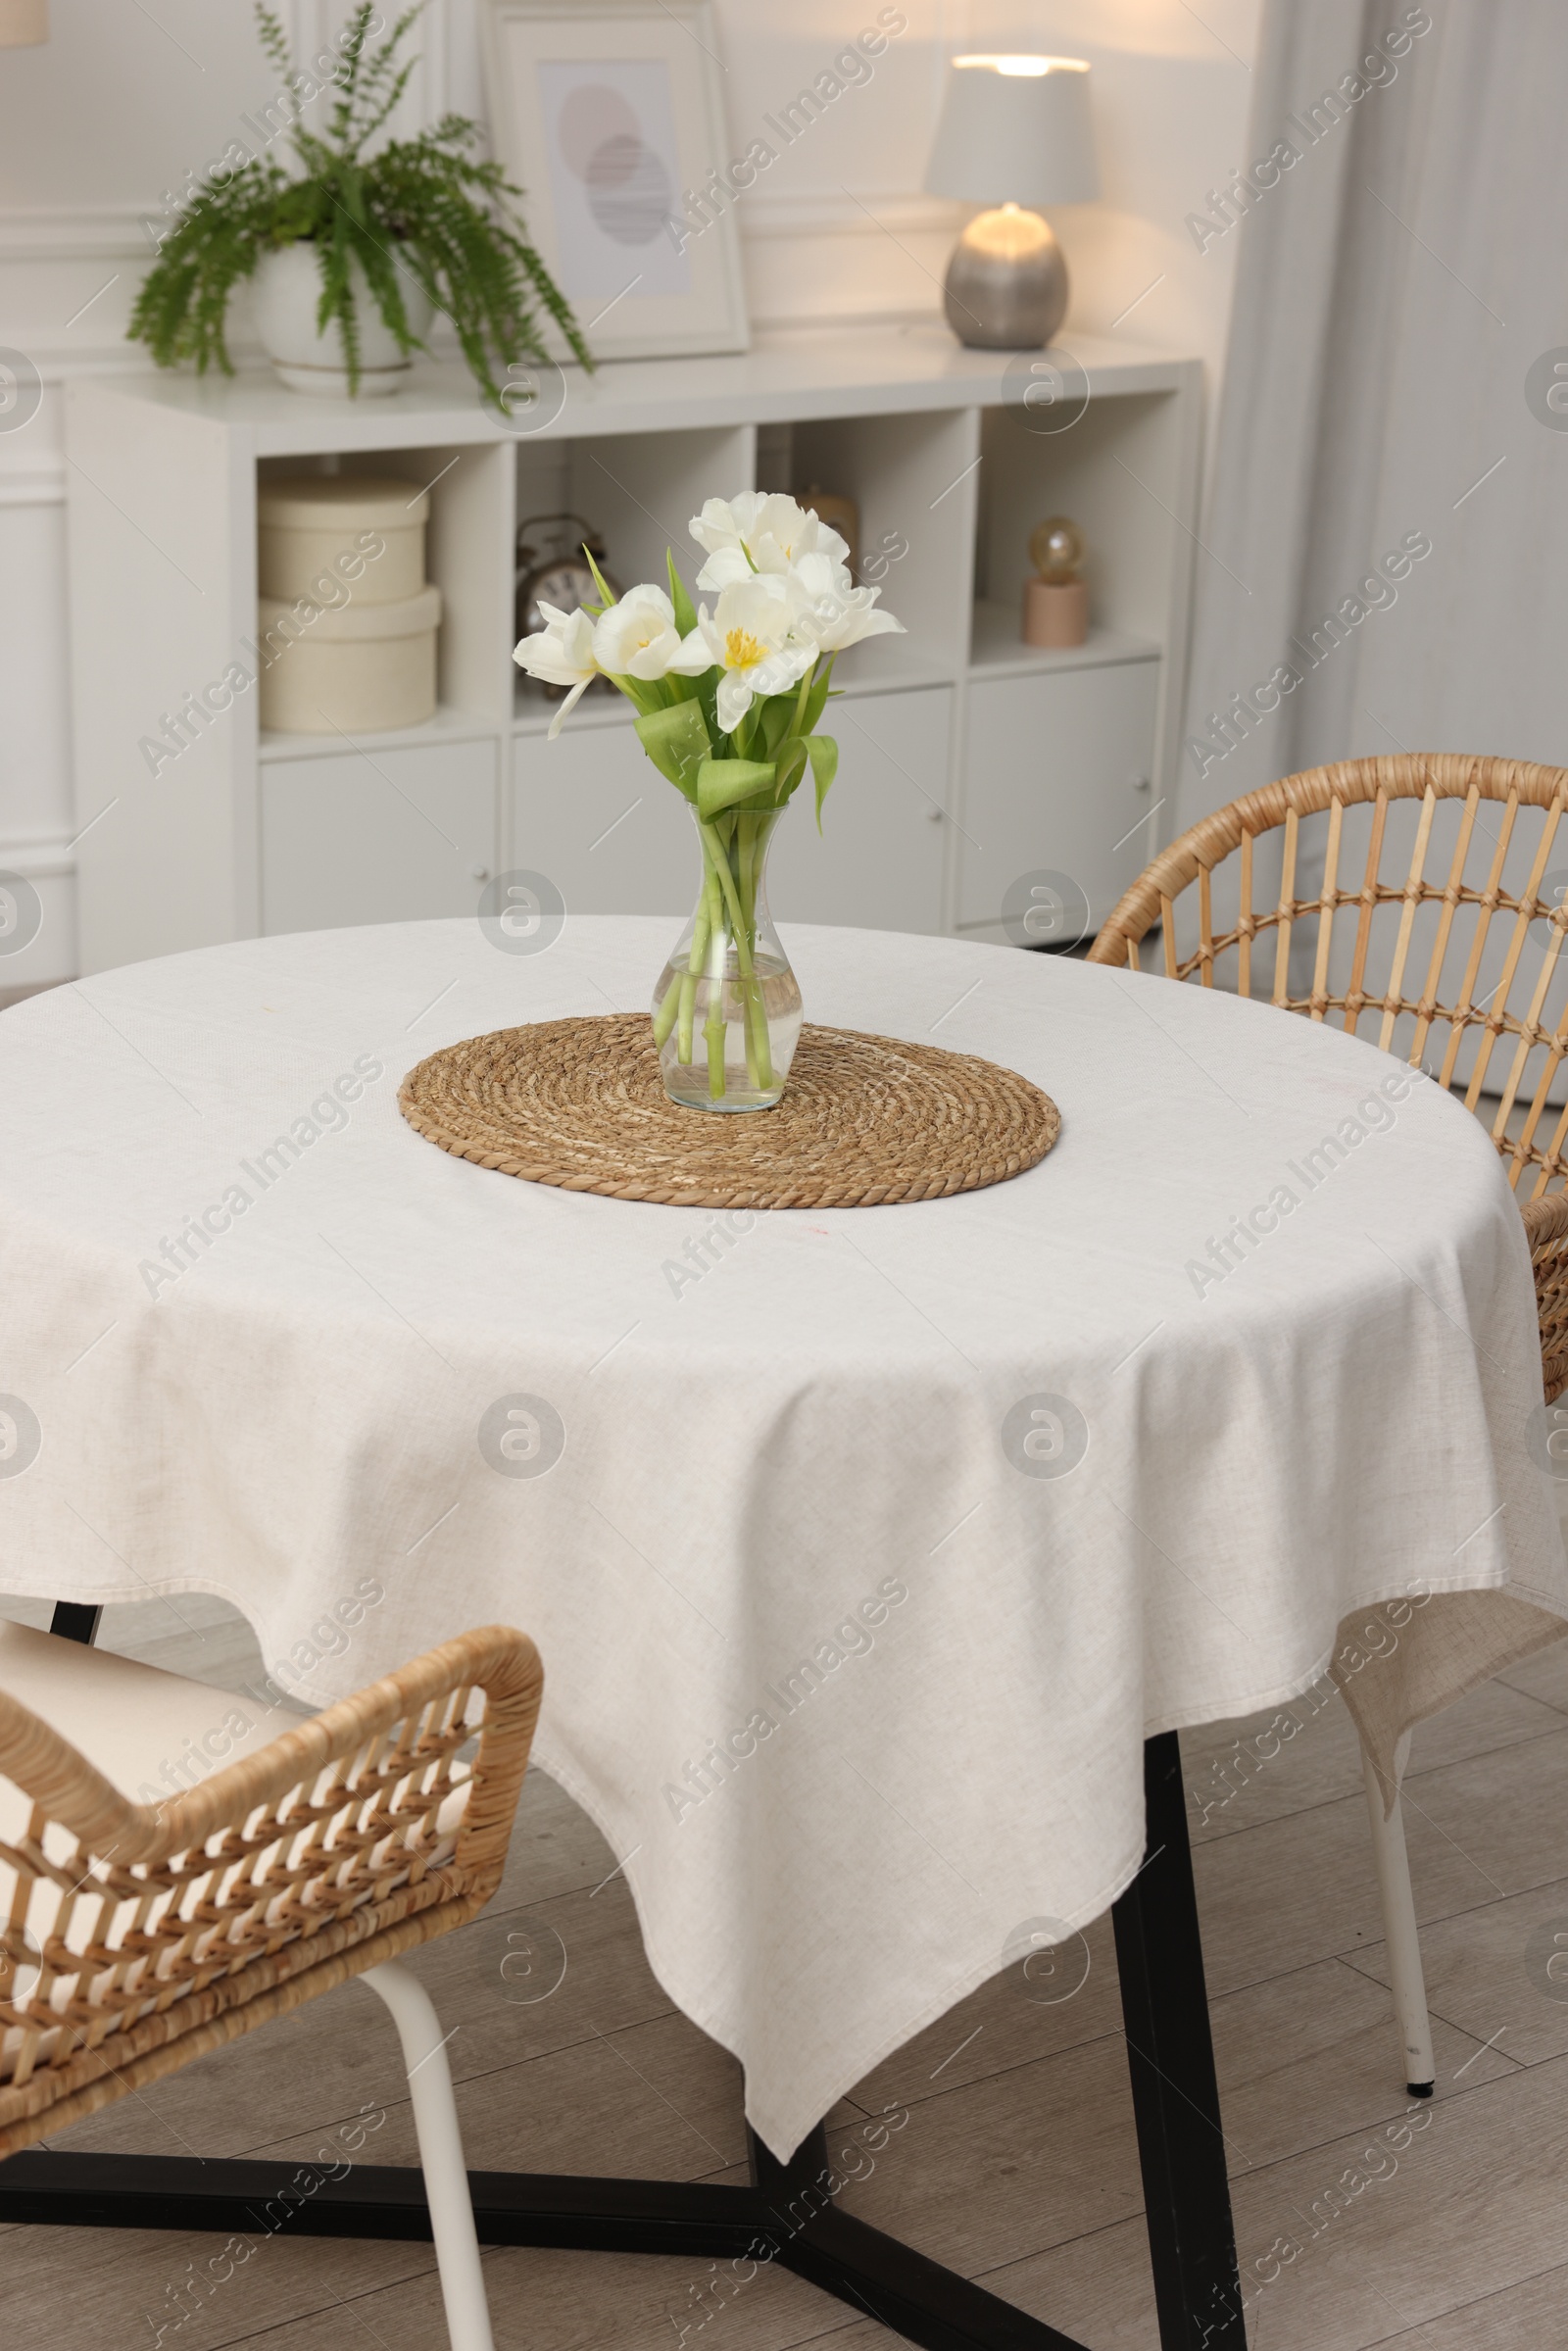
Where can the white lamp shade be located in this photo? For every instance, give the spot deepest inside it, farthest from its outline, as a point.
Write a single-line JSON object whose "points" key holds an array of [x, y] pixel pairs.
{"points": [[1015, 130], [24, 24]]}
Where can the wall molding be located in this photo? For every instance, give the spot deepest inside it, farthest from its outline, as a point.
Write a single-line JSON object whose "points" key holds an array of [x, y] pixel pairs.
{"points": [[114, 232], [766, 213], [46, 859], [32, 485], [78, 232], [57, 362], [886, 322]]}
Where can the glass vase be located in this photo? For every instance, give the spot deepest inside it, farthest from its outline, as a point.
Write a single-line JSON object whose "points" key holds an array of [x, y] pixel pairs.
{"points": [[727, 1010]]}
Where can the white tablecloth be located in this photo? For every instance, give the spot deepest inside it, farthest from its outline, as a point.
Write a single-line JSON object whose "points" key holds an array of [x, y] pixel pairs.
{"points": [[878, 1540]]}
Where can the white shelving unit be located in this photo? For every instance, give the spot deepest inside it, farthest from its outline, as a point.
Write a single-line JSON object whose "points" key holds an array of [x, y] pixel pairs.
{"points": [[967, 759]]}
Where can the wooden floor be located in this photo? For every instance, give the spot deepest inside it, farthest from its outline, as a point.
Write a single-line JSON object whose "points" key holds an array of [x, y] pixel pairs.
{"points": [[1017, 2164]]}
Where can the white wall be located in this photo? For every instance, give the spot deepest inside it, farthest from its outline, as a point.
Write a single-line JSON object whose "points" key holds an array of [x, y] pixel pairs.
{"points": [[122, 101]]}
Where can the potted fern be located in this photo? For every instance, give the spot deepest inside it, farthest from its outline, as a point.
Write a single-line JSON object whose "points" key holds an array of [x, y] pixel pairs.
{"points": [[352, 254]]}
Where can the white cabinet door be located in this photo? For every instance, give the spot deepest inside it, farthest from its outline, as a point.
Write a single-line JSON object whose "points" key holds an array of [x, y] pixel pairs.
{"points": [[1056, 779], [394, 835], [878, 859], [595, 815]]}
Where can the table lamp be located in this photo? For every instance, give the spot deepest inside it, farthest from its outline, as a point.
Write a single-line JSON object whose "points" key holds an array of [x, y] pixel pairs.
{"points": [[1015, 133], [24, 24]]}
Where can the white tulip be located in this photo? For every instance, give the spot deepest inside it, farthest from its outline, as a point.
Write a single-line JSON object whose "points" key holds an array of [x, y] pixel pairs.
{"points": [[750, 636], [560, 653], [760, 533], [722, 529], [638, 638], [831, 613]]}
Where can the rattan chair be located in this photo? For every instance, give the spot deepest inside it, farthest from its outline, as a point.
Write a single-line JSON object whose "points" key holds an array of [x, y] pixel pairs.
{"points": [[139, 1934], [1434, 925]]}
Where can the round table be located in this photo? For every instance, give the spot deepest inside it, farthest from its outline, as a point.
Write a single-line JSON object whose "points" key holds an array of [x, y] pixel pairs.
{"points": [[863, 1547]]}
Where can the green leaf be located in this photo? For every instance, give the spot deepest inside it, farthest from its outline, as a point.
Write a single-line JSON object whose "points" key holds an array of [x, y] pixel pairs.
{"points": [[824, 753], [685, 609], [777, 716], [816, 700], [708, 692], [731, 784], [600, 581], [803, 697], [676, 740], [790, 766]]}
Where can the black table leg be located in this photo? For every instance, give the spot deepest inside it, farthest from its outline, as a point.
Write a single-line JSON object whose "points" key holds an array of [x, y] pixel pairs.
{"points": [[1170, 2055], [789, 2214], [76, 1620], [905, 2291]]}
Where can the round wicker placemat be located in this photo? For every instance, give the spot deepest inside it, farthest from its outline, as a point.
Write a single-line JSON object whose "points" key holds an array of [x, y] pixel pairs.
{"points": [[580, 1104]]}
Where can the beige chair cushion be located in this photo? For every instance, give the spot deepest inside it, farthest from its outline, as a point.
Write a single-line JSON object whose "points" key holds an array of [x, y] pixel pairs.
{"points": [[150, 1733]]}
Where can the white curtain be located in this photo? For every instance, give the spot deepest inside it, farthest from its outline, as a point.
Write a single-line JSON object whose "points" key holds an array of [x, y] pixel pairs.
{"points": [[1401, 300]]}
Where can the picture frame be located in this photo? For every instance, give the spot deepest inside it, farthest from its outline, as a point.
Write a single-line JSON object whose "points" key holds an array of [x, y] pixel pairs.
{"points": [[610, 116]]}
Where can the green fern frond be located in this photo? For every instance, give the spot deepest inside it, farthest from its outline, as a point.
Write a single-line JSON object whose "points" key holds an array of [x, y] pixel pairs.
{"points": [[426, 211]]}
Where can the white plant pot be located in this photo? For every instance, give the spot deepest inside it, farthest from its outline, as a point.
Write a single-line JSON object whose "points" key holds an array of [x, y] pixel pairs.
{"points": [[287, 294]]}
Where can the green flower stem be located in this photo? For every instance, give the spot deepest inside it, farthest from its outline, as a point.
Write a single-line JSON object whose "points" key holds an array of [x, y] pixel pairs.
{"points": [[713, 911], [714, 1025], [742, 842], [713, 1031], [746, 876], [758, 1048], [665, 1017], [732, 837], [754, 1067], [686, 984], [750, 994]]}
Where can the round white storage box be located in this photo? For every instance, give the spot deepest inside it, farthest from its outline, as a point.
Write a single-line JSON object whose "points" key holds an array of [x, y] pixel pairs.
{"points": [[335, 537], [356, 671]]}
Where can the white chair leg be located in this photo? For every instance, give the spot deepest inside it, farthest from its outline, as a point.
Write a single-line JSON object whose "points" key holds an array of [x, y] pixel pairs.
{"points": [[1401, 1936], [446, 2176]]}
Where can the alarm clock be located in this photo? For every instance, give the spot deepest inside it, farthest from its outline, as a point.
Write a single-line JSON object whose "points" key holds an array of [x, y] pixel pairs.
{"points": [[560, 575]]}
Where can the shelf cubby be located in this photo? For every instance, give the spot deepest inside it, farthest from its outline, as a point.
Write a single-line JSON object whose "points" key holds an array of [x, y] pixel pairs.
{"points": [[997, 647], [449, 725]]}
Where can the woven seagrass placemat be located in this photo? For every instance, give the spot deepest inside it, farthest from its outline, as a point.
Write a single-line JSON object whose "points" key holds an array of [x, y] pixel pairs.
{"points": [[580, 1104]]}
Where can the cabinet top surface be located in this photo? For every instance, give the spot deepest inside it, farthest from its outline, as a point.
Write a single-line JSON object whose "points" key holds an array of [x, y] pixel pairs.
{"points": [[783, 377]]}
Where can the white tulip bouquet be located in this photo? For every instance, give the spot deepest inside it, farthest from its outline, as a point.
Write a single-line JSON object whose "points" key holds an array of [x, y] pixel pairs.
{"points": [[728, 700]]}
